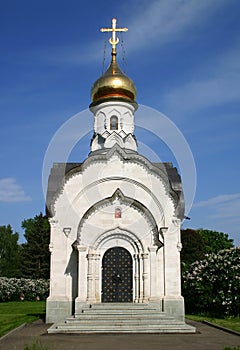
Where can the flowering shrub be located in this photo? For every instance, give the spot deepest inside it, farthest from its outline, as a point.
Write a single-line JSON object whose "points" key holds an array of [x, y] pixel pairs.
{"points": [[23, 289], [213, 284]]}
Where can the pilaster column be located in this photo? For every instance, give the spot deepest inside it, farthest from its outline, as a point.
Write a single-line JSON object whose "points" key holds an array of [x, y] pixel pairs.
{"points": [[51, 249], [153, 273], [141, 282], [173, 303], [68, 280], [97, 278], [145, 277], [82, 272], [53, 225], [160, 272], [172, 271], [91, 278], [136, 278]]}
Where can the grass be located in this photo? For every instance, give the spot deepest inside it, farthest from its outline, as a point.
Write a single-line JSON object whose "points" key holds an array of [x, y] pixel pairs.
{"points": [[15, 313], [227, 322], [39, 346]]}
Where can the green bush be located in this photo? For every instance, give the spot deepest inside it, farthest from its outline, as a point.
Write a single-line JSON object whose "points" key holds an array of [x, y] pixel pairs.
{"points": [[212, 286], [14, 289]]}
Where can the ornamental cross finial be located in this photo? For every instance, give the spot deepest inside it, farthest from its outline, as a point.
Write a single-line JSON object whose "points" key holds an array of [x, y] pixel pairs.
{"points": [[114, 39]]}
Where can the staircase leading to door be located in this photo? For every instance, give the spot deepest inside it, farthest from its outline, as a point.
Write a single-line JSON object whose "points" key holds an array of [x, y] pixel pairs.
{"points": [[121, 318]]}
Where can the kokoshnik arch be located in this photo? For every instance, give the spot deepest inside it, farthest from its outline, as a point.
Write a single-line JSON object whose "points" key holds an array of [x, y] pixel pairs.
{"points": [[115, 221]]}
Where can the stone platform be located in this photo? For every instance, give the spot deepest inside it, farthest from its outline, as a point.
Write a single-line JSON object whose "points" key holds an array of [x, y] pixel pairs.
{"points": [[121, 318]]}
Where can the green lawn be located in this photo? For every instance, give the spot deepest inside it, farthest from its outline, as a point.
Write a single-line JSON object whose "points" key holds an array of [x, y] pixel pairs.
{"points": [[230, 322], [15, 313]]}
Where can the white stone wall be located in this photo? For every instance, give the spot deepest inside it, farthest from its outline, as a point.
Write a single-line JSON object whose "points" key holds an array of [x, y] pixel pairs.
{"points": [[84, 227]]}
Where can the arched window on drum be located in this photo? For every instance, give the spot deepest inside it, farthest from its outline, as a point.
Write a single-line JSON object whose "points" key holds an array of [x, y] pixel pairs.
{"points": [[114, 123]]}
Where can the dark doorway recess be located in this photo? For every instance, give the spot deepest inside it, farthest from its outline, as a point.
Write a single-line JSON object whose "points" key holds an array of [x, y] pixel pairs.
{"points": [[117, 275]]}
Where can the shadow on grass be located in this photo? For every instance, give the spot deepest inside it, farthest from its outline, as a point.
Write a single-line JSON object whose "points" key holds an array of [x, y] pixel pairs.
{"points": [[41, 316]]}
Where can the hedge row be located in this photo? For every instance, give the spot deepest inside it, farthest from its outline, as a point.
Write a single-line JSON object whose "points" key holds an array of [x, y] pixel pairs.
{"points": [[13, 289]]}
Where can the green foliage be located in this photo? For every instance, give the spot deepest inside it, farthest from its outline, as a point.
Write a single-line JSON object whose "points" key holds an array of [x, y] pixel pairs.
{"points": [[35, 253], [197, 243], [14, 314], [23, 289], [213, 284], [193, 247], [215, 241], [9, 252]]}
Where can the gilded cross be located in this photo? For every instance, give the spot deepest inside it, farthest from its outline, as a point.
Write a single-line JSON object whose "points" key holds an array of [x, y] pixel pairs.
{"points": [[114, 39]]}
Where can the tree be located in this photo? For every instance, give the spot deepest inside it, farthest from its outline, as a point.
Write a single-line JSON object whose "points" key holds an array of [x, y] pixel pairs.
{"points": [[193, 247], [197, 243], [213, 285], [215, 241], [9, 252], [35, 252]]}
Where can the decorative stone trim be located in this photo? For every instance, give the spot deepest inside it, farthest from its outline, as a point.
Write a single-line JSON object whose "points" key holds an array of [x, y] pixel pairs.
{"points": [[179, 246], [176, 222], [51, 247], [78, 247], [125, 179], [118, 195], [126, 157], [117, 234], [67, 231], [163, 231], [53, 222]]}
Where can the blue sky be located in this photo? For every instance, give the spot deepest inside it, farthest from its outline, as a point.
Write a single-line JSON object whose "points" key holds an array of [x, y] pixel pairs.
{"points": [[184, 57]]}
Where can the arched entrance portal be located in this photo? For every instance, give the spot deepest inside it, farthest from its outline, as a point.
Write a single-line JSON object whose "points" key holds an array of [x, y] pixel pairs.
{"points": [[117, 276]]}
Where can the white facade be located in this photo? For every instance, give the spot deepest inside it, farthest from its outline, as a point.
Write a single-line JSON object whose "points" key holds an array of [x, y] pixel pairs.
{"points": [[115, 198], [84, 227]]}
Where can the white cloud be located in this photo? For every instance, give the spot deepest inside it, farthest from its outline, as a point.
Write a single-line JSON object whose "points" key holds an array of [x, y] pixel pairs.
{"points": [[202, 94], [222, 207], [220, 213], [159, 22], [221, 85], [10, 191], [223, 199]]}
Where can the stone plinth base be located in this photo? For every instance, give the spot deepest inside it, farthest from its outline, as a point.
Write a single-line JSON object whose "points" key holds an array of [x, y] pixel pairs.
{"points": [[174, 307], [57, 309]]}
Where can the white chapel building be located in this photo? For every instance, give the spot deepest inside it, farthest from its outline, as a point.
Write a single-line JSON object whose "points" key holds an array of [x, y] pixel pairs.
{"points": [[115, 226]]}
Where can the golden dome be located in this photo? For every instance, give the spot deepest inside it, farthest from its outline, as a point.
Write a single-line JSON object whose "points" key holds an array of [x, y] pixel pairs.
{"points": [[113, 84]]}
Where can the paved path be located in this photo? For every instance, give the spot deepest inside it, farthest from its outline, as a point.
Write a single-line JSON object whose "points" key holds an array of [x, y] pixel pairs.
{"points": [[207, 338]]}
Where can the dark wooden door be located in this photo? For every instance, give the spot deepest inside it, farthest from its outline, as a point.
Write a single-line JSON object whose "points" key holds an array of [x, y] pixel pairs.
{"points": [[117, 276]]}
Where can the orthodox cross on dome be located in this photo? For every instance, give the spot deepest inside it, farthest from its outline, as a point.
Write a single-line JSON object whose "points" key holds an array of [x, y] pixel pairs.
{"points": [[114, 39]]}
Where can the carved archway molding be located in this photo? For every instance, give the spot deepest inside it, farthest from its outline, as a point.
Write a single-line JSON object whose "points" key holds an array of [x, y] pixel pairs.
{"points": [[119, 197], [116, 234], [127, 180], [133, 157]]}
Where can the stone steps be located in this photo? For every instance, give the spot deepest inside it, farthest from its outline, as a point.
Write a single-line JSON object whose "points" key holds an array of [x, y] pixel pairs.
{"points": [[112, 315], [129, 306], [183, 328], [121, 318]]}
